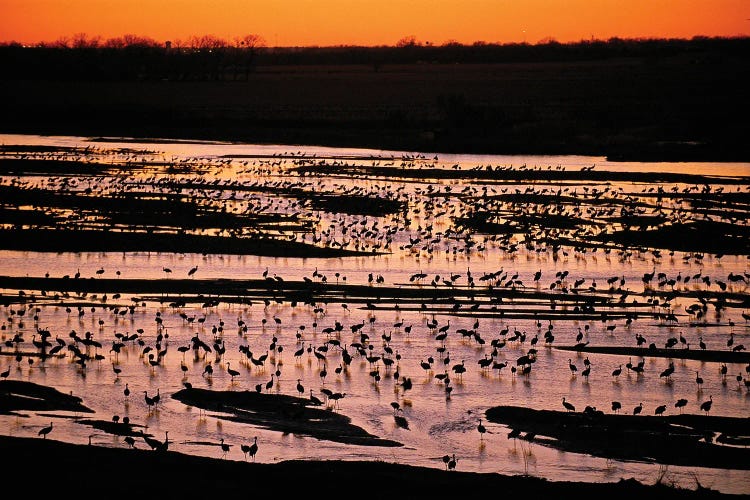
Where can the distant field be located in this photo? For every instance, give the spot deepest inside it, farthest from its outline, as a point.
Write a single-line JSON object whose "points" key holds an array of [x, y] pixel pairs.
{"points": [[679, 107]]}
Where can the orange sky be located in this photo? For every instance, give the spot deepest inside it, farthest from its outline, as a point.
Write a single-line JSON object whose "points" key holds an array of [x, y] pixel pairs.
{"points": [[373, 22]]}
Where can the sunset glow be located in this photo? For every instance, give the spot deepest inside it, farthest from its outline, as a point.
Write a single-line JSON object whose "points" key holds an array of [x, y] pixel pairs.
{"points": [[373, 22]]}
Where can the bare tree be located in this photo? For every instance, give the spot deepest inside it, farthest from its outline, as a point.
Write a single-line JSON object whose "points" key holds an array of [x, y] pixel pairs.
{"points": [[207, 42], [408, 41], [249, 41], [83, 41]]}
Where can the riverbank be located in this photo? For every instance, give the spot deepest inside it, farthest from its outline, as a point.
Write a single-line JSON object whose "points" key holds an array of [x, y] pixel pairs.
{"points": [[91, 470]]}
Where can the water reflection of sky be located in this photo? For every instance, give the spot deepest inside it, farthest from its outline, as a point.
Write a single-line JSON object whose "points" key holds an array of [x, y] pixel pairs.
{"points": [[438, 425]]}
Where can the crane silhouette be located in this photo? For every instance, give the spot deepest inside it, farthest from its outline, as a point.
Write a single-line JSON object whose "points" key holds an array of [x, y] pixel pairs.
{"points": [[224, 448], [482, 429], [232, 372], [568, 406], [246, 448], [155, 444], [253, 448], [149, 400], [314, 399], [681, 403], [573, 368], [45, 430]]}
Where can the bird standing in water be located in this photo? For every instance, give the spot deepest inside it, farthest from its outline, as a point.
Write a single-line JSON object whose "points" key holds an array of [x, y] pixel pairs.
{"points": [[482, 429]]}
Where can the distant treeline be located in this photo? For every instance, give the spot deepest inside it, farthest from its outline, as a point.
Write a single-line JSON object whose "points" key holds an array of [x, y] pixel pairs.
{"points": [[211, 58]]}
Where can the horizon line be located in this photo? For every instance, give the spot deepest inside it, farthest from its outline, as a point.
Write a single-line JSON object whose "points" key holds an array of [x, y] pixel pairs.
{"points": [[100, 42]]}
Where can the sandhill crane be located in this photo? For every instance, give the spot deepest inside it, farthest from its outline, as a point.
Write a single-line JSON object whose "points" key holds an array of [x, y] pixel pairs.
{"points": [[155, 444], [232, 372], [706, 405], [425, 365], [452, 462], [573, 368], [299, 352], [638, 409], [315, 400], [335, 397], [616, 406], [683, 341], [568, 406], [253, 449], [149, 400], [224, 448], [681, 403], [667, 372], [459, 368], [45, 430], [406, 383], [482, 429]]}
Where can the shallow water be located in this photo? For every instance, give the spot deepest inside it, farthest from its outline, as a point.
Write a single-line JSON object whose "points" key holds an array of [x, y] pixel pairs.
{"points": [[437, 425]]}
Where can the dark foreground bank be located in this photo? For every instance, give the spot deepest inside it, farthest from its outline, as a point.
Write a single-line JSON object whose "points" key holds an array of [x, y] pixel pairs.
{"points": [[45, 466]]}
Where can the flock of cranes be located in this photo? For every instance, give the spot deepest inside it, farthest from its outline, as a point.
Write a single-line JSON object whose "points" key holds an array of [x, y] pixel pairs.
{"points": [[384, 359], [400, 343]]}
